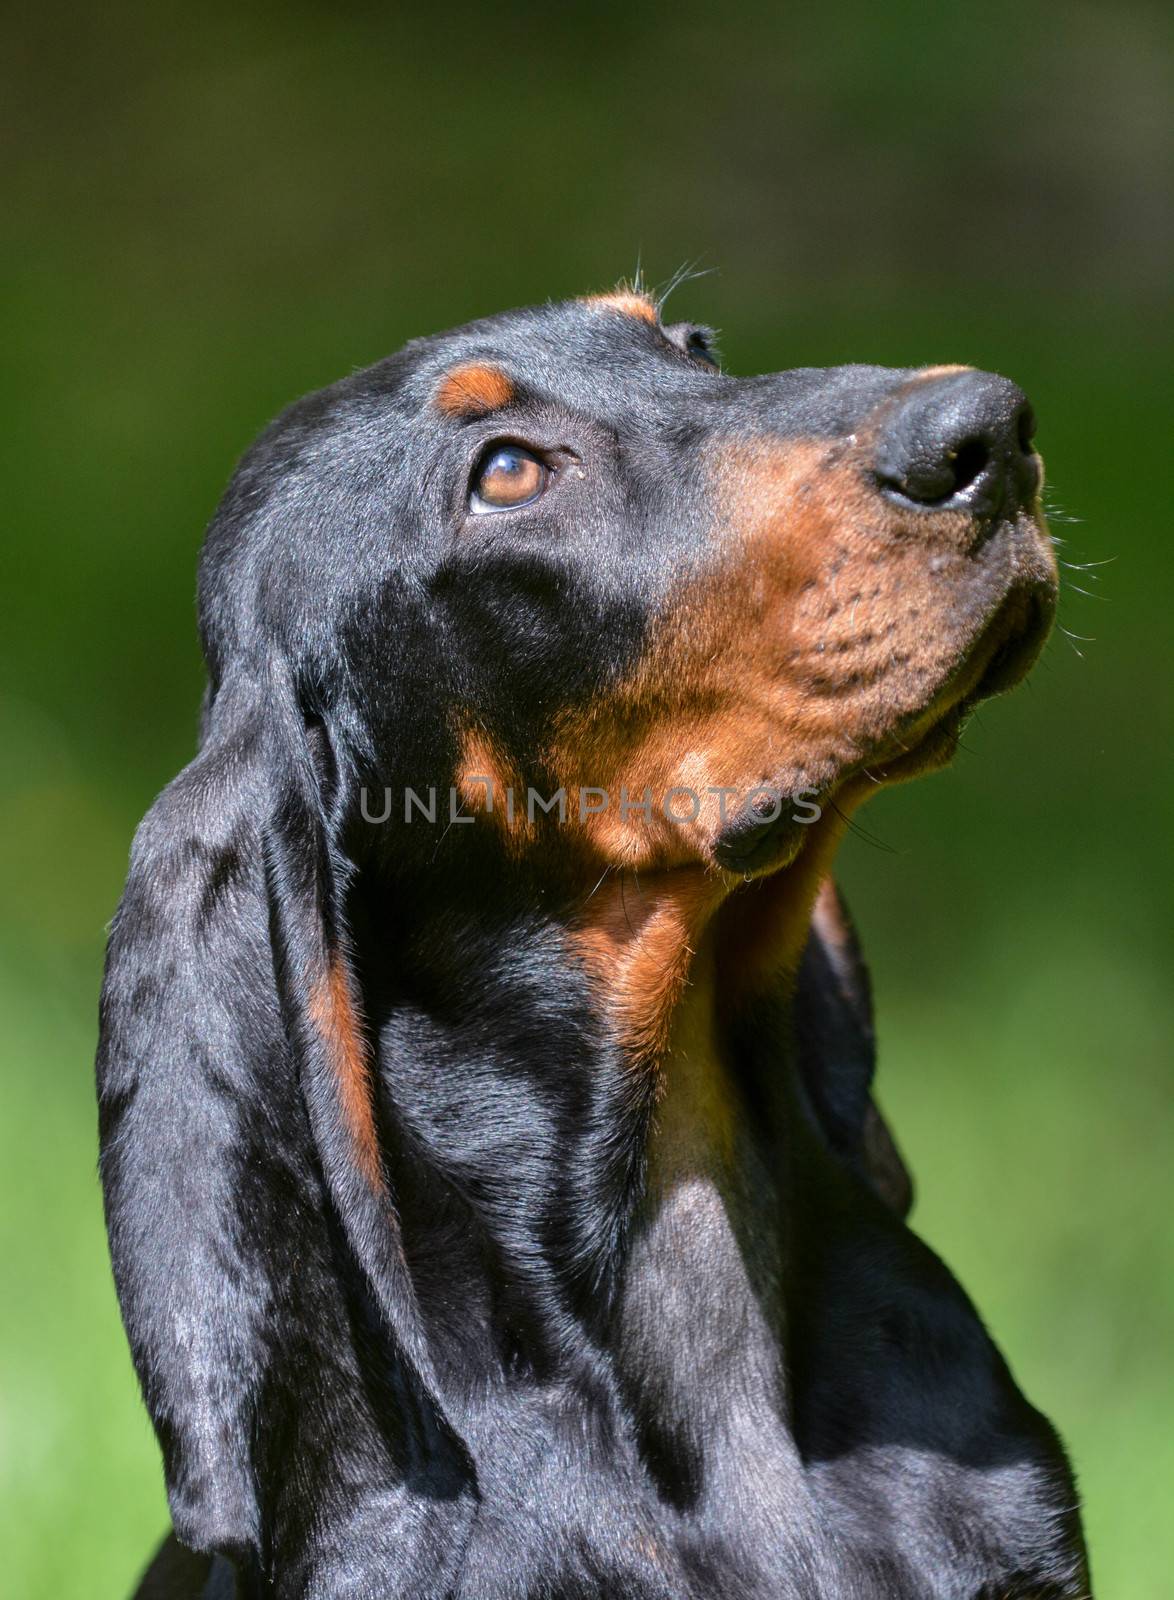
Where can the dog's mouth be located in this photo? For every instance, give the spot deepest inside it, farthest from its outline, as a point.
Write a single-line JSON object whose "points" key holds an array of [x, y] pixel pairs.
{"points": [[1000, 658]]}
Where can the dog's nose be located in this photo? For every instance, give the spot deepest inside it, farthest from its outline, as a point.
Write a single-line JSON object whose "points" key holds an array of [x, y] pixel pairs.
{"points": [[960, 441]]}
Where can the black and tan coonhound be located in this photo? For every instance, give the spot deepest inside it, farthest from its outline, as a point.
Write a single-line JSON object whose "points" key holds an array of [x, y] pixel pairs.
{"points": [[497, 1201]]}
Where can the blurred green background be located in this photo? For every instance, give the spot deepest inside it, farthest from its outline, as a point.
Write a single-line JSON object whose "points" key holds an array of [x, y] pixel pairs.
{"points": [[208, 213]]}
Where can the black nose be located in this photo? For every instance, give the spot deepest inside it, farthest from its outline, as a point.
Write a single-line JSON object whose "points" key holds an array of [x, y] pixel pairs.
{"points": [[961, 440]]}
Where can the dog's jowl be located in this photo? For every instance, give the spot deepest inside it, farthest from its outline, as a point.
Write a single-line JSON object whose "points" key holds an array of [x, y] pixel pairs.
{"points": [[497, 1200]]}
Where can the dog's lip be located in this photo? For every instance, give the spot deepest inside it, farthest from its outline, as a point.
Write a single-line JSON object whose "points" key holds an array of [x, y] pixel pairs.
{"points": [[1001, 657], [1018, 640]]}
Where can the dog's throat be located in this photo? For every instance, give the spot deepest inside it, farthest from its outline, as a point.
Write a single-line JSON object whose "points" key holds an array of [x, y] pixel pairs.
{"points": [[698, 1288], [637, 940], [649, 942]]}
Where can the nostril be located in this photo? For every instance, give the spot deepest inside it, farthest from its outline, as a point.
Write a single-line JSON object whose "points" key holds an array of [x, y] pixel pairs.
{"points": [[940, 473], [960, 441], [970, 461]]}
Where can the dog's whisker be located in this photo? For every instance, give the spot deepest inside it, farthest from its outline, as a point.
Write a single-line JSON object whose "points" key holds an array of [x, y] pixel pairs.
{"points": [[863, 833], [602, 879]]}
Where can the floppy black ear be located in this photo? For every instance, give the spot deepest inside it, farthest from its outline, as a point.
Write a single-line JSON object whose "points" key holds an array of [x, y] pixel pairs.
{"points": [[251, 1217], [837, 1050]]}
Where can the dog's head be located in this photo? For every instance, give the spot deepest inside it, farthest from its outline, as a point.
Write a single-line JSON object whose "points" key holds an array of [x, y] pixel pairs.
{"points": [[647, 624], [558, 571], [561, 549]]}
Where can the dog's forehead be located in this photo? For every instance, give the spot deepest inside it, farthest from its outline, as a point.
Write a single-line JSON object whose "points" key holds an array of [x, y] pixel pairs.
{"points": [[584, 352], [608, 358], [612, 356]]}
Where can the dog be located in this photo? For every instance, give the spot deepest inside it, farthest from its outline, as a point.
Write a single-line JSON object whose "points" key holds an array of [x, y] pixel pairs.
{"points": [[496, 1197]]}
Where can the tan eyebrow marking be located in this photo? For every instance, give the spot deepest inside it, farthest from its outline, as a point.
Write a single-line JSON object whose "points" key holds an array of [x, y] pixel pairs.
{"points": [[629, 301], [473, 390]]}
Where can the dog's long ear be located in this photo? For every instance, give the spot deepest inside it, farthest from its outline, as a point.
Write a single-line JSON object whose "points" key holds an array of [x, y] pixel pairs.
{"points": [[241, 1160], [837, 1050]]}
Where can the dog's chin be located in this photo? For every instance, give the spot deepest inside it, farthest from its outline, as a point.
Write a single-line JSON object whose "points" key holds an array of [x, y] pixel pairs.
{"points": [[921, 742], [1003, 654]]}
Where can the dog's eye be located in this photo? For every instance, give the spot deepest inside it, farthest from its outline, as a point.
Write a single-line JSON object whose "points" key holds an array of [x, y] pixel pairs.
{"points": [[507, 476]]}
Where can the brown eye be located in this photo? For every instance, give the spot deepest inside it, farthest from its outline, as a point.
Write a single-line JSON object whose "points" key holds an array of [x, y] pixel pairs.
{"points": [[507, 476]]}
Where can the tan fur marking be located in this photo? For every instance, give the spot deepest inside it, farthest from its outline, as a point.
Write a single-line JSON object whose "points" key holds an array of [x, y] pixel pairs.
{"points": [[638, 950], [631, 302], [479, 765], [718, 690], [474, 390], [490, 789], [333, 1012]]}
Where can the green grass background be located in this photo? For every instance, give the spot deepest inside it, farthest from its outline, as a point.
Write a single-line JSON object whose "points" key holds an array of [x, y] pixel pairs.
{"points": [[206, 213]]}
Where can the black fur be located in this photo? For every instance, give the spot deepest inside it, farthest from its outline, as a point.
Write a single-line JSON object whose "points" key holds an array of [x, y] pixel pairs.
{"points": [[495, 1376]]}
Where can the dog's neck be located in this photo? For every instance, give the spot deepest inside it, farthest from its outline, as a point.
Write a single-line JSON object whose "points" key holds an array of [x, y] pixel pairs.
{"points": [[587, 1062], [607, 1200]]}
